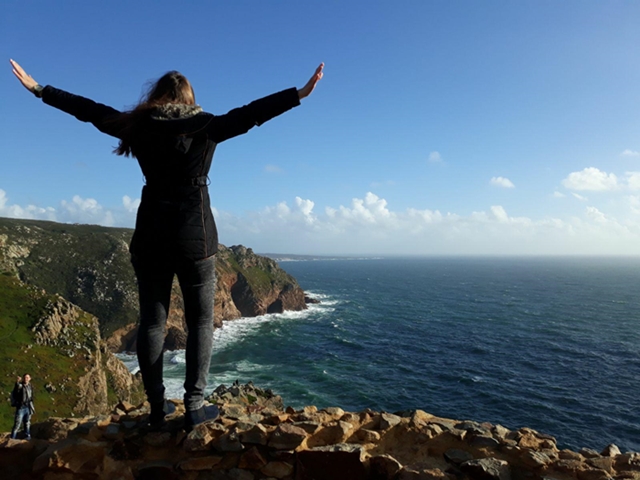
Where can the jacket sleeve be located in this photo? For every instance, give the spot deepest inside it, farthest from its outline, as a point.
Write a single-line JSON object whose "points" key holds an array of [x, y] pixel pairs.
{"points": [[241, 120], [101, 116]]}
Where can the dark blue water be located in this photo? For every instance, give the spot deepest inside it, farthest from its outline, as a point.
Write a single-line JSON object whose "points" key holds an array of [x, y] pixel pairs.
{"points": [[552, 344]]}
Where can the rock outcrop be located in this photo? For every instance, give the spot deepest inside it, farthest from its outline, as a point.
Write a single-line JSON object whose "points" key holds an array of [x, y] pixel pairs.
{"points": [[60, 346], [72, 332], [256, 438]]}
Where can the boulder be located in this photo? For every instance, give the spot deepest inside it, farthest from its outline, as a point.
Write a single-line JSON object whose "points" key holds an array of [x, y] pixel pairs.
{"points": [[388, 420], [383, 467], [252, 459], [257, 434], [610, 451], [202, 436], [332, 433], [287, 437], [487, 469], [277, 469]]}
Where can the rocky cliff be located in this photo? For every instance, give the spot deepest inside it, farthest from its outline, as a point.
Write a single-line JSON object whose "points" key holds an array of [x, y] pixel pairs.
{"points": [[257, 438], [60, 346], [89, 266], [64, 288]]}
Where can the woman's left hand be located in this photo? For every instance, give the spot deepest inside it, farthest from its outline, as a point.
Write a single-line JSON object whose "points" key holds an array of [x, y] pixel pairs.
{"points": [[25, 79], [311, 84]]}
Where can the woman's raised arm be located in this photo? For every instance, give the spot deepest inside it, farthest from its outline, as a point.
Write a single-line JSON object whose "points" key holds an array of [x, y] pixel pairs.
{"points": [[103, 117], [240, 120]]}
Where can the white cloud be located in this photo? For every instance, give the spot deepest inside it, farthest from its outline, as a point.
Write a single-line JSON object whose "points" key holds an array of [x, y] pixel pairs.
{"points": [[499, 213], [435, 157], [130, 205], [591, 179], [272, 169], [305, 206], [306, 209], [369, 210], [426, 216], [596, 215], [633, 180], [502, 182], [634, 203], [76, 210], [30, 211], [579, 197], [370, 225], [84, 210], [281, 210], [557, 194], [630, 153]]}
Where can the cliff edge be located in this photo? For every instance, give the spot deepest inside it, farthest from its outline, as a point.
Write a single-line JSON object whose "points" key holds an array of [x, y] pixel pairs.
{"points": [[257, 438], [60, 346]]}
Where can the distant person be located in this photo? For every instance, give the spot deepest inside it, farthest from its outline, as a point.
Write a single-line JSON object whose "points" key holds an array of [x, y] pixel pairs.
{"points": [[22, 400], [173, 140]]}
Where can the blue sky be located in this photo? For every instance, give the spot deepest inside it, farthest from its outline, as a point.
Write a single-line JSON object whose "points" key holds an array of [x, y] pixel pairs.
{"points": [[440, 127]]}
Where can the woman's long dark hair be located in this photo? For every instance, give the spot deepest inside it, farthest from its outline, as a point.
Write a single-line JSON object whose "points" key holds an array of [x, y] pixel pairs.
{"points": [[172, 87]]}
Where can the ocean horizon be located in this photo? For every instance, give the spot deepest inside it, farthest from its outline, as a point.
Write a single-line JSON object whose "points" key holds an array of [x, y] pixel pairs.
{"points": [[549, 343]]}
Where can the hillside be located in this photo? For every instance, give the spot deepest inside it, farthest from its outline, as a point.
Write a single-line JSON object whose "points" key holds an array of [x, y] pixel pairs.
{"points": [[68, 299], [89, 266], [60, 346]]}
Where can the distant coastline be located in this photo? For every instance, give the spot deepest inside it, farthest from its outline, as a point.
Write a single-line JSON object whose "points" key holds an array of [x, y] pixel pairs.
{"points": [[284, 257]]}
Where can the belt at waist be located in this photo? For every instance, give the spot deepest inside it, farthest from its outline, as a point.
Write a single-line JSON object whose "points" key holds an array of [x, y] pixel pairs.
{"points": [[200, 181]]}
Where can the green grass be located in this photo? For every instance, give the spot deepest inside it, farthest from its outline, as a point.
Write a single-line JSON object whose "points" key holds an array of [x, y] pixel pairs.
{"points": [[21, 307], [87, 264], [263, 275], [259, 279]]}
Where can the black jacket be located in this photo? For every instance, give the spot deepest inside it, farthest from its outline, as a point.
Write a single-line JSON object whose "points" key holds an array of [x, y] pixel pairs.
{"points": [[23, 395], [174, 148]]}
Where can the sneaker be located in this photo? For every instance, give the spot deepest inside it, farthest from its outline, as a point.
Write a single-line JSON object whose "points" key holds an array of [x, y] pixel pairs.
{"points": [[203, 414]]}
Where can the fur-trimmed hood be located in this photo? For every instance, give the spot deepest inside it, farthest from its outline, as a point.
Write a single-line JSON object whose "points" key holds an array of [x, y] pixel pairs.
{"points": [[175, 111]]}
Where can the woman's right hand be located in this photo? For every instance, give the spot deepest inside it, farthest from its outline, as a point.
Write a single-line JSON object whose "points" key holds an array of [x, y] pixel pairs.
{"points": [[25, 79], [311, 84]]}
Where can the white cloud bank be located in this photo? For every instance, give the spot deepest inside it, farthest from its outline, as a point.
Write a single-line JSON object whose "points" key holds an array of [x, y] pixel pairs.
{"points": [[502, 182], [76, 210], [369, 225], [591, 179]]}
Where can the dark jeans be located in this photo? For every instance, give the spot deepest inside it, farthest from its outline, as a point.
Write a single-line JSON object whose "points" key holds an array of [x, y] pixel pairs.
{"points": [[23, 415], [197, 281]]}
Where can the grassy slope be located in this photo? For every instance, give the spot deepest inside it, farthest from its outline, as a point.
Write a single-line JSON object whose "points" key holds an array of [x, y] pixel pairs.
{"points": [[262, 273], [86, 264], [21, 307], [89, 266]]}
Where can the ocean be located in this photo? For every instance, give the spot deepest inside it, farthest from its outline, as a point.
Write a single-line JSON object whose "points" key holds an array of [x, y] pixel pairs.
{"points": [[547, 343]]}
